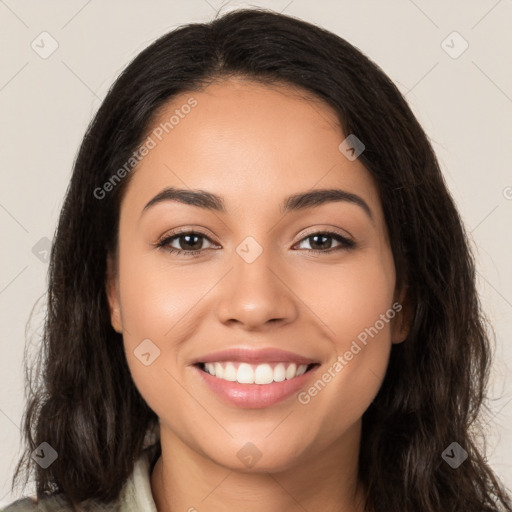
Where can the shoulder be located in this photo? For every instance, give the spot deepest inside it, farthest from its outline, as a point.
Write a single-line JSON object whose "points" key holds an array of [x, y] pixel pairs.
{"points": [[50, 503], [56, 503], [134, 496]]}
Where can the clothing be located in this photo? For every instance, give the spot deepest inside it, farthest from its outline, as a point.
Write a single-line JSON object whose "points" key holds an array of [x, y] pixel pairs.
{"points": [[135, 495]]}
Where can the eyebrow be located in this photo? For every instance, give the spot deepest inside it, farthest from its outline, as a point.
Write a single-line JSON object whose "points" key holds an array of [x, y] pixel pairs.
{"points": [[295, 202]]}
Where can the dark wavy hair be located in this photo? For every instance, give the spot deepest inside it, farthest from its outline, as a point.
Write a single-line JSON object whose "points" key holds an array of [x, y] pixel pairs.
{"points": [[82, 398]]}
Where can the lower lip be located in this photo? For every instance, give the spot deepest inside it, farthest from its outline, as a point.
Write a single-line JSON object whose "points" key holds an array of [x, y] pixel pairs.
{"points": [[254, 396]]}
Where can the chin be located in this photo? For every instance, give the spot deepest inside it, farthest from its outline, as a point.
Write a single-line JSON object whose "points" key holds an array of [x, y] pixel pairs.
{"points": [[257, 456]]}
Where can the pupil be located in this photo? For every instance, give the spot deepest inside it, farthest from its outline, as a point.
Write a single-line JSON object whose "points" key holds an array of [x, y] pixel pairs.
{"points": [[323, 245], [194, 246]]}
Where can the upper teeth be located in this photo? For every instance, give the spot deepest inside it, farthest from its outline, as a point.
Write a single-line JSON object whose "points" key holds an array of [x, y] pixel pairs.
{"points": [[246, 373]]}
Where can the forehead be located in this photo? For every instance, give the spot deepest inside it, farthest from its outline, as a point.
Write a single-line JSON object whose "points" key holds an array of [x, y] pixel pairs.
{"points": [[248, 142]]}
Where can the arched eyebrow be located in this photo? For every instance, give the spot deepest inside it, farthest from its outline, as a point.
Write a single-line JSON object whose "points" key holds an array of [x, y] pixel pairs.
{"points": [[315, 198], [295, 202]]}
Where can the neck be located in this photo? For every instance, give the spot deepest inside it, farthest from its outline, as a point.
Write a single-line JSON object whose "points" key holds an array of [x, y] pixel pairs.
{"points": [[184, 480]]}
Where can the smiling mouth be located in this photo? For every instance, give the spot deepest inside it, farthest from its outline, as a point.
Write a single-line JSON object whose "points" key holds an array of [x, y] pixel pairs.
{"points": [[246, 373]]}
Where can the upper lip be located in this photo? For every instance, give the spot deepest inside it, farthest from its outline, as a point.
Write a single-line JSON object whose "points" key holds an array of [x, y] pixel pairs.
{"points": [[250, 355]]}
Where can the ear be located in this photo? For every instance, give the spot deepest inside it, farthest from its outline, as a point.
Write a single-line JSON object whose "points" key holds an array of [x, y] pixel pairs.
{"points": [[402, 321], [112, 291]]}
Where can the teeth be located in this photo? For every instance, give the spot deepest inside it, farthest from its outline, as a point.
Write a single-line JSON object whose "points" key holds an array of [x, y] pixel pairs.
{"points": [[230, 372], [291, 371], [246, 373], [279, 373], [263, 374], [219, 371], [301, 370]]}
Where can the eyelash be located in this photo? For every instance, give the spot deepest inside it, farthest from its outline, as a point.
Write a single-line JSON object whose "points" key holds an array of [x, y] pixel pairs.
{"points": [[346, 244]]}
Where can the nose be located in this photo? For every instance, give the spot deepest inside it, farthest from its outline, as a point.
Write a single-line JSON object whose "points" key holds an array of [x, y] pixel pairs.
{"points": [[256, 295]]}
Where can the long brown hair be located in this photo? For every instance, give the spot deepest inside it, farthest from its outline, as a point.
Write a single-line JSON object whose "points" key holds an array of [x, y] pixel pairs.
{"points": [[85, 404]]}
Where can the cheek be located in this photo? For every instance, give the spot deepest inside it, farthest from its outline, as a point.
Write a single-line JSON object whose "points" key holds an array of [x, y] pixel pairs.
{"points": [[359, 316], [155, 297], [350, 297], [152, 305]]}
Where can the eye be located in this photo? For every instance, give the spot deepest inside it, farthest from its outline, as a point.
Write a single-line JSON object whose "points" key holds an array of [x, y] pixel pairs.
{"points": [[322, 242], [189, 242]]}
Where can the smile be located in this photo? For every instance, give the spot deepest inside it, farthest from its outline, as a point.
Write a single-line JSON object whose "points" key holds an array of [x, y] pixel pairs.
{"points": [[246, 377], [246, 373]]}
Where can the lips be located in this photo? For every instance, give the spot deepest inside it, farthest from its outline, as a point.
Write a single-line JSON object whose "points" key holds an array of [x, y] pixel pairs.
{"points": [[251, 378], [243, 354]]}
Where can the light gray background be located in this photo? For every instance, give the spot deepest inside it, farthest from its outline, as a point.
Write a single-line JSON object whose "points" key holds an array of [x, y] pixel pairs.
{"points": [[464, 104]]}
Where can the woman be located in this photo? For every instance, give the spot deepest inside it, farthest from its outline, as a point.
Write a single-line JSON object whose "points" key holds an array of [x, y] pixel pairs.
{"points": [[261, 294]]}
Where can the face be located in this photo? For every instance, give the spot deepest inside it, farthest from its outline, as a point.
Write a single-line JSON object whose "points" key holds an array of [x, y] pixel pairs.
{"points": [[291, 303]]}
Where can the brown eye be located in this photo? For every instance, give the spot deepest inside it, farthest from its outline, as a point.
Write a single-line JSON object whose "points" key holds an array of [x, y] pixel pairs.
{"points": [[322, 242], [189, 242]]}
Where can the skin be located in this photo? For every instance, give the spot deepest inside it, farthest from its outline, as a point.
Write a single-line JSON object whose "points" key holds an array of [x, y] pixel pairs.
{"points": [[254, 145]]}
